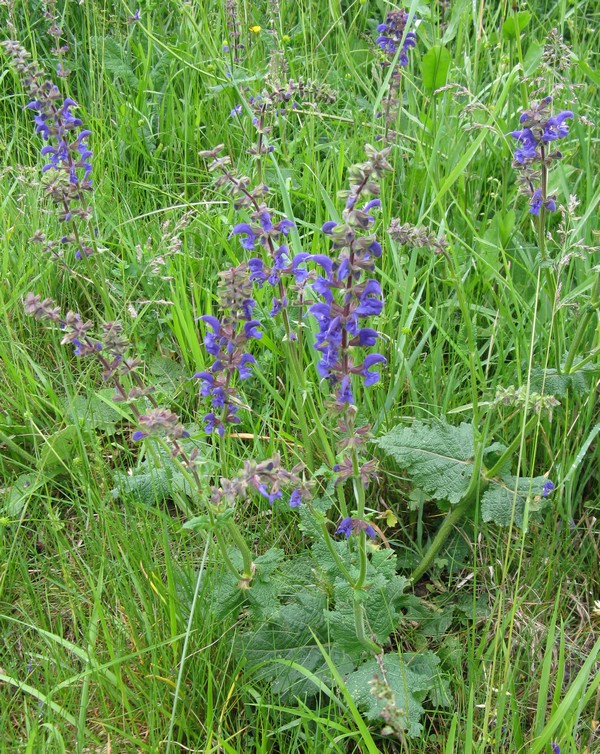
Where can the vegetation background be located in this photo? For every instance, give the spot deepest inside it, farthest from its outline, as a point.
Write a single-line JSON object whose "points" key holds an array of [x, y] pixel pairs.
{"points": [[97, 573]]}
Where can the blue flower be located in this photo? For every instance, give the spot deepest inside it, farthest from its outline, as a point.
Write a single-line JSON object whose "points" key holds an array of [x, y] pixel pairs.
{"points": [[251, 330], [554, 128], [296, 499], [271, 496], [257, 273], [370, 301], [344, 394], [350, 526], [393, 32], [548, 488], [248, 235], [528, 142], [372, 377], [244, 371], [536, 202]]}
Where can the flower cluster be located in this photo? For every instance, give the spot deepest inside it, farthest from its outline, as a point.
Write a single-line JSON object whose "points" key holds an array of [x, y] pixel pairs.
{"points": [[267, 478], [275, 101], [347, 298], [109, 347], [394, 35], [416, 237], [234, 46], [539, 130], [227, 341], [263, 231], [162, 421], [66, 150]]}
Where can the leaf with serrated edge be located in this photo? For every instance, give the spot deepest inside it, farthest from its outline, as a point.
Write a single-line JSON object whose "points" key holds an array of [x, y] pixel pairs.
{"points": [[438, 456], [411, 677]]}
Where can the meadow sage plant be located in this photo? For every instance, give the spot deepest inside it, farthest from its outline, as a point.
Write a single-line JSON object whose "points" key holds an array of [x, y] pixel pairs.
{"points": [[395, 39], [227, 340], [535, 153], [263, 231], [66, 151]]}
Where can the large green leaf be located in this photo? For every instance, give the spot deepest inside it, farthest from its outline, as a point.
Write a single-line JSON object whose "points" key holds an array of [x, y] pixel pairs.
{"points": [[506, 499], [411, 677], [289, 640], [434, 67], [438, 456], [440, 460]]}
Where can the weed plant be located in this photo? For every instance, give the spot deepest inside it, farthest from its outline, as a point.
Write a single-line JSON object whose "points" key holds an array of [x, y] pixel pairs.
{"points": [[300, 355]]}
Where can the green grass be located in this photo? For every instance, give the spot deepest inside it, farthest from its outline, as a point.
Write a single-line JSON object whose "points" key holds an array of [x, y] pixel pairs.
{"points": [[98, 648]]}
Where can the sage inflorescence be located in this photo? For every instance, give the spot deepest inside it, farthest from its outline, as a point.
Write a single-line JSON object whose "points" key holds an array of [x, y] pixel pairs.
{"points": [[535, 153]]}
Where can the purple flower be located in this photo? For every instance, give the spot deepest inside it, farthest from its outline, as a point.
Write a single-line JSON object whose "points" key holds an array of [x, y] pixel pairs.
{"points": [[257, 273], [271, 496], [372, 377], [350, 526], [227, 341], [528, 142], [329, 226], [248, 235], [536, 202], [251, 330], [237, 110], [548, 488], [366, 337], [393, 33], [344, 394], [370, 301], [554, 128], [244, 371], [296, 499]]}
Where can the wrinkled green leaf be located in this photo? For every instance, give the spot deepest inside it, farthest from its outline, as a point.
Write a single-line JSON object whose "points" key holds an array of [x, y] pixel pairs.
{"points": [[92, 411], [59, 448], [554, 383], [411, 677], [509, 492], [18, 493], [113, 58], [290, 636], [438, 456]]}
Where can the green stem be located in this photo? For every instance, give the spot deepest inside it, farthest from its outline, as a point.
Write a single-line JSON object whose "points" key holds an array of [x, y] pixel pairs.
{"points": [[466, 314], [586, 360], [582, 326], [338, 561], [514, 444], [541, 231], [359, 622], [453, 516], [226, 559], [243, 548], [523, 85]]}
